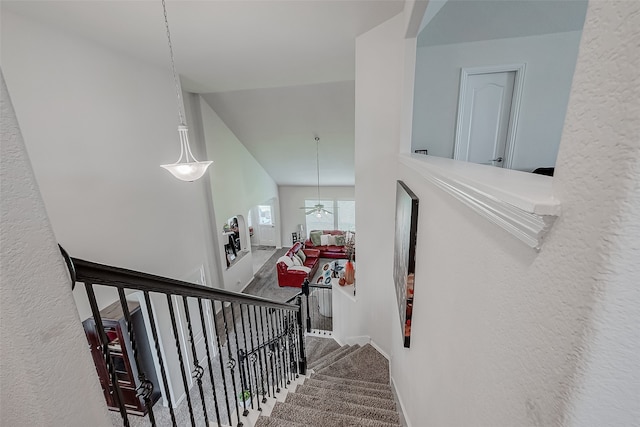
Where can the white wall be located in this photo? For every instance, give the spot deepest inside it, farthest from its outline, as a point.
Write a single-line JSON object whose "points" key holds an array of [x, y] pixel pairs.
{"points": [[237, 183], [503, 335], [97, 125], [46, 376], [293, 197], [379, 76], [550, 61]]}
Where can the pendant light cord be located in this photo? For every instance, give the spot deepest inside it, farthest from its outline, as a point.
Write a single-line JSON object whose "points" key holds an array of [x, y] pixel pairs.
{"points": [[173, 65], [318, 166]]}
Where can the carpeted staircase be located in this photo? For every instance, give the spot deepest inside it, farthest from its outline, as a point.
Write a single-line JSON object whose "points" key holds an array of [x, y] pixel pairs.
{"points": [[348, 386]]}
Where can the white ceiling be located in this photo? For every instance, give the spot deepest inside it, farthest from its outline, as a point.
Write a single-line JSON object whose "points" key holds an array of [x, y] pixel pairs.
{"points": [[278, 126], [277, 72], [459, 21]]}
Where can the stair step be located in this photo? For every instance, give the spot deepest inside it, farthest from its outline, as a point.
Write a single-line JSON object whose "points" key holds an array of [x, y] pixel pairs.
{"points": [[357, 383], [315, 418], [334, 355], [328, 361], [384, 394], [337, 406], [325, 393], [319, 347], [275, 422], [363, 364]]}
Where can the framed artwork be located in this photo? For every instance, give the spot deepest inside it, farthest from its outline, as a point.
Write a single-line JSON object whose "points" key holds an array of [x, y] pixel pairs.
{"points": [[404, 255]]}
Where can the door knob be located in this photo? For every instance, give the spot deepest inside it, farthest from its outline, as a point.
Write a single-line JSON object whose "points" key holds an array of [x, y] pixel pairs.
{"points": [[498, 159]]}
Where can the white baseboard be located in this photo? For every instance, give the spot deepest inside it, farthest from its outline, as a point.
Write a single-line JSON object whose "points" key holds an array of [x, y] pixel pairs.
{"points": [[404, 421], [381, 351]]}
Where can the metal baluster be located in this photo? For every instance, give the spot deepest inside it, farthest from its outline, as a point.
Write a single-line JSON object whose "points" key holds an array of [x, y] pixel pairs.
{"points": [[262, 381], [145, 388], [305, 292], [245, 412], [264, 346], [172, 315], [222, 370], [303, 358], [206, 343], [270, 353], [245, 382], [253, 359], [156, 342], [198, 371], [283, 347], [105, 351], [273, 347], [231, 365]]}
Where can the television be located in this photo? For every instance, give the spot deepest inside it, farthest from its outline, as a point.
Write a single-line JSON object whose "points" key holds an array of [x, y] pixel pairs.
{"points": [[404, 255]]}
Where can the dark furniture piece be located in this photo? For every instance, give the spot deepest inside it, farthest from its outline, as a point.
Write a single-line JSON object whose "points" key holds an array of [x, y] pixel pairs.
{"points": [[120, 348]]}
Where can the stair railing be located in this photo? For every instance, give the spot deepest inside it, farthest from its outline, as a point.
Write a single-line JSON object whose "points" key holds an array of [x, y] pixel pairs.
{"points": [[259, 344], [318, 308]]}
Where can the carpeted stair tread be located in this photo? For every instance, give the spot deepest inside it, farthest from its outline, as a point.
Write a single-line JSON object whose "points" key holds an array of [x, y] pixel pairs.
{"points": [[337, 406], [358, 399], [316, 418], [364, 364], [357, 383], [319, 347], [339, 356], [331, 357], [275, 422], [383, 394]]}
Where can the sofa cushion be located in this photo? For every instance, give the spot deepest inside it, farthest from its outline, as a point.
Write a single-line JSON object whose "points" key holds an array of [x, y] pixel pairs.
{"points": [[288, 261], [296, 260], [315, 237]]}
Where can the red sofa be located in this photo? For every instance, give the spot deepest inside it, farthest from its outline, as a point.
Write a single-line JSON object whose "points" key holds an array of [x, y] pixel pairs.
{"points": [[328, 251], [290, 274]]}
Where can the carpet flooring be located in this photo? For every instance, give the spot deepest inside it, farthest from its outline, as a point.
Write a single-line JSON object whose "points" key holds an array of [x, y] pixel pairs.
{"points": [[349, 386]]}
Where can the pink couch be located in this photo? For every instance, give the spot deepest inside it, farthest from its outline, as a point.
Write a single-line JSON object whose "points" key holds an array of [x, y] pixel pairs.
{"points": [[328, 251], [292, 275]]}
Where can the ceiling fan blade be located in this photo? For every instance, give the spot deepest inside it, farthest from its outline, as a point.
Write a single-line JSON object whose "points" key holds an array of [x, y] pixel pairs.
{"points": [[327, 212]]}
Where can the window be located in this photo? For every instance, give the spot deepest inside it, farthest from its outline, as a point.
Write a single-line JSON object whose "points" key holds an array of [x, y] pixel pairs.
{"points": [[343, 218], [264, 214]]}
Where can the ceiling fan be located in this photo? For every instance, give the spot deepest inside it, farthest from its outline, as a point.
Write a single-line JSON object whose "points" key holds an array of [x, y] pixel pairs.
{"points": [[317, 209]]}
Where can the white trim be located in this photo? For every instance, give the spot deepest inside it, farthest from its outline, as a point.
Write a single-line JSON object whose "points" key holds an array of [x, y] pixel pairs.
{"points": [[403, 417], [516, 98], [380, 350], [527, 226]]}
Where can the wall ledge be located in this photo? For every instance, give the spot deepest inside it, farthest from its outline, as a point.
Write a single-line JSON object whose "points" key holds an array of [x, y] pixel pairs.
{"points": [[521, 203]]}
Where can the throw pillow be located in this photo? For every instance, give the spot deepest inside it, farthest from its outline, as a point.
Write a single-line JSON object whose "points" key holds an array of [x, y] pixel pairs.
{"points": [[288, 262], [340, 240], [296, 260], [315, 237], [324, 240], [302, 255], [300, 268]]}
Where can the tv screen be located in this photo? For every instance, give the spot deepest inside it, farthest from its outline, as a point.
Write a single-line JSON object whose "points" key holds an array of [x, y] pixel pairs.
{"points": [[404, 262]]}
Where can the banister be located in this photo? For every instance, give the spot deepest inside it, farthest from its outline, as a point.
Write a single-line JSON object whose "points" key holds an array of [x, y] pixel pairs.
{"points": [[100, 274]]}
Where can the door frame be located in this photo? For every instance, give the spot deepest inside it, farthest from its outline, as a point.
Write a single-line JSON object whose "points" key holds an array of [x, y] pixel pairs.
{"points": [[518, 86]]}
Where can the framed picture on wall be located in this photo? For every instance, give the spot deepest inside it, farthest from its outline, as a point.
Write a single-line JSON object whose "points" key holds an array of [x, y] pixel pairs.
{"points": [[404, 255]]}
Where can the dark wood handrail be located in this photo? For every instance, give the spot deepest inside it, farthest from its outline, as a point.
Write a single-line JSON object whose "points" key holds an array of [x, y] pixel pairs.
{"points": [[100, 274]]}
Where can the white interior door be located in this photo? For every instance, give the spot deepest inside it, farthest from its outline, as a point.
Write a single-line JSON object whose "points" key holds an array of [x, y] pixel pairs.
{"points": [[266, 226], [484, 117]]}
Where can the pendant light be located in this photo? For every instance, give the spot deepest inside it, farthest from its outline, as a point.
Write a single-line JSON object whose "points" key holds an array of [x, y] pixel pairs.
{"points": [[317, 209], [187, 168]]}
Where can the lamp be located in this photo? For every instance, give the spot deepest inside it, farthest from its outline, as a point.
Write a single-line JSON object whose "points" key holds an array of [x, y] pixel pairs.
{"points": [[317, 209], [187, 168]]}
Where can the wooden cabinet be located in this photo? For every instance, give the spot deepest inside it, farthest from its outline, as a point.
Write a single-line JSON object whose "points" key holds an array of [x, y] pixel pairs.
{"points": [[121, 353]]}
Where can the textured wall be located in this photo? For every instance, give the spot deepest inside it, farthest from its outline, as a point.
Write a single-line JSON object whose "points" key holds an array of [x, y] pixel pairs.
{"points": [[47, 376], [503, 335]]}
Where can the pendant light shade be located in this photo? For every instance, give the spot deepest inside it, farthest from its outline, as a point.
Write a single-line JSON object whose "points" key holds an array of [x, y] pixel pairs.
{"points": [[187, 168]]}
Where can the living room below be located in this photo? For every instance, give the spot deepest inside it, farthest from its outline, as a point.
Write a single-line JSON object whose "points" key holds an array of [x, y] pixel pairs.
{"points": [[292, 198]]}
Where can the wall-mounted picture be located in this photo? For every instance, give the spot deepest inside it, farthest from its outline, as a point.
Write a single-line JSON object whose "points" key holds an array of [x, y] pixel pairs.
{"points": [[404, 262]]}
